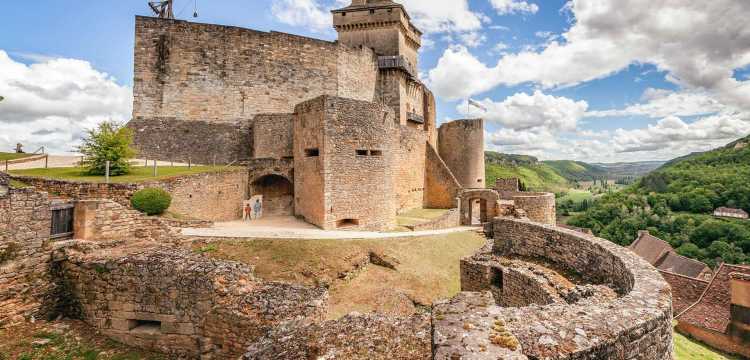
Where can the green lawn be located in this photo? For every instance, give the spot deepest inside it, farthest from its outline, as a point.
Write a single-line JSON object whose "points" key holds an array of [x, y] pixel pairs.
{"points": [[12, 156], [577, 196], [137, 174], [687, 349]]}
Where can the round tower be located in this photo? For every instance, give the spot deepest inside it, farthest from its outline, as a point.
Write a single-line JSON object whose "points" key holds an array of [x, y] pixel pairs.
{"points": [[461, 145]]}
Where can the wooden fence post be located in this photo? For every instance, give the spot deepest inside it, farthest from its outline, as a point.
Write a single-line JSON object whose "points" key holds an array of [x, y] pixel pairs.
{"points": [[106, 172], [155, 171]]}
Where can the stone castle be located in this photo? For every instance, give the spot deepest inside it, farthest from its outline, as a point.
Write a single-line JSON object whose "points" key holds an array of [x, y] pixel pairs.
{"points": [[342, 134]]}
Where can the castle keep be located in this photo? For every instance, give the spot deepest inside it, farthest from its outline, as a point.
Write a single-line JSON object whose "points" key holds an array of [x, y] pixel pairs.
{"points": [[342, 134]]}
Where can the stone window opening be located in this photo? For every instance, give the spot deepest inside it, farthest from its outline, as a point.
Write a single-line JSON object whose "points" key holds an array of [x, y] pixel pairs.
{"points": [[344, 223], [376, 152], [496, 278], [362, 152], [312, 152], [372, 11], [144, 326]]}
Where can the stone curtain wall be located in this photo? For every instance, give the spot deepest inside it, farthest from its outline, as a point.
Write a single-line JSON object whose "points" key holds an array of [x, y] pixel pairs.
{"points": [[461, 146], [25, 284], [272, 136], [441, 187], [217, 73], [182, 304], [103, 220], [199, 142], [215, 196]]}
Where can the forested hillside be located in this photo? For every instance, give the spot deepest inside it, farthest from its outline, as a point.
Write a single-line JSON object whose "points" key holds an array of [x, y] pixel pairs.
{"points": [[534, 174], [552, 175], [675, 203], [576, 170]]}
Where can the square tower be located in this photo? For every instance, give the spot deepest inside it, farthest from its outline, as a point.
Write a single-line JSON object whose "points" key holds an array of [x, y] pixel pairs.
{"points": [[382, 25], [343, 164]]}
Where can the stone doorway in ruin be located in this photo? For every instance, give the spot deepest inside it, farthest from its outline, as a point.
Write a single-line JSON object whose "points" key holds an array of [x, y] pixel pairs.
{"points": [[478, 211], [278, 195]]}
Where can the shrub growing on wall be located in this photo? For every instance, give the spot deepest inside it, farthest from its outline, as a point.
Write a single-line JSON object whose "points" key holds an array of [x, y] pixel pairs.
{"points": [[107, 142], [151, 201]]}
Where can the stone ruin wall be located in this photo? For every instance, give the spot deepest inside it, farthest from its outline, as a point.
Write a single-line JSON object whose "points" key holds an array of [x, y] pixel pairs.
{"points": [[539, 207], [25, 283], [103, 220], [507, 185], [441, 187], [215, 196], [461, 145], [184, 305], [634, 324]]}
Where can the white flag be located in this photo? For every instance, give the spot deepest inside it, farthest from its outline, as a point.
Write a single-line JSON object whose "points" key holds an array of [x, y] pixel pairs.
{"points": [[477, 105]]}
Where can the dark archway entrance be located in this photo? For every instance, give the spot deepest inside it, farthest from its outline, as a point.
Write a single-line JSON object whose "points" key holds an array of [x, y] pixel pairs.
{"points": [[278, 194]]}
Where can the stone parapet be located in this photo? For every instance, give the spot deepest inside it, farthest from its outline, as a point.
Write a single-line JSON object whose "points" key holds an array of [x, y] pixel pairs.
{"points": [[633, 320]]}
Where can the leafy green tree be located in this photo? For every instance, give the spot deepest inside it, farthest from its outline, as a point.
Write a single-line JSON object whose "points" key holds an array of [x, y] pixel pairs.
{"points": [[111, 142], [691, 250]]}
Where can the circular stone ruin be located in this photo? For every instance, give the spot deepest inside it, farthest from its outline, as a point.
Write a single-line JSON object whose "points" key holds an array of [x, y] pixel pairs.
{"points": [[542, 292]]}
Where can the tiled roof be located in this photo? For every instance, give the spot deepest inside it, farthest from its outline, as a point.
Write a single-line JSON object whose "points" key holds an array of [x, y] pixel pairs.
{"points": [[712, 309], [650, 247], [685, 290], [681, 265]]}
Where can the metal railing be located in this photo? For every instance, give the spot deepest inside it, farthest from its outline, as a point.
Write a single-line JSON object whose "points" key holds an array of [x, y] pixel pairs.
{"points": [[397, 62]]}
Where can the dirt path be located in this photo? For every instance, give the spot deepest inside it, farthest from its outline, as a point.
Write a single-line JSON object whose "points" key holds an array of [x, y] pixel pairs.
{"points": [[291, 228]]}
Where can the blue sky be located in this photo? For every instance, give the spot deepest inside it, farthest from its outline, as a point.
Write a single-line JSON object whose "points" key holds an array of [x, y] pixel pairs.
{"points": [[592, 80]]}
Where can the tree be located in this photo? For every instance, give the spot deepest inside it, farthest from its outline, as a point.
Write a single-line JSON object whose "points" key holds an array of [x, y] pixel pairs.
{"points": [[111, 142]]}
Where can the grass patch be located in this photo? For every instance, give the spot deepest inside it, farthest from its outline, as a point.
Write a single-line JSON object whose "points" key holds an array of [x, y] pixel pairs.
{"points": [[688, 349], [428, 269], [12, 156], [42, 341], [418, 216], [18, 184], [137, 174], [577, 196]]}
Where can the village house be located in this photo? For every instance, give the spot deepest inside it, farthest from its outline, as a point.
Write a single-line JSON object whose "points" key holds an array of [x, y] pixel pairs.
{"points": [[731, 213]]}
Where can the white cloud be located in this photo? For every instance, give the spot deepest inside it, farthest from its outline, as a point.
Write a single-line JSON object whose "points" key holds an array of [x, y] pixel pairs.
{"points": [[306, 13], [528, 111], [472, 39], [51, 103], [661, 103], [430, 16], [697, 43], [504, 7], [672, 135]]}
